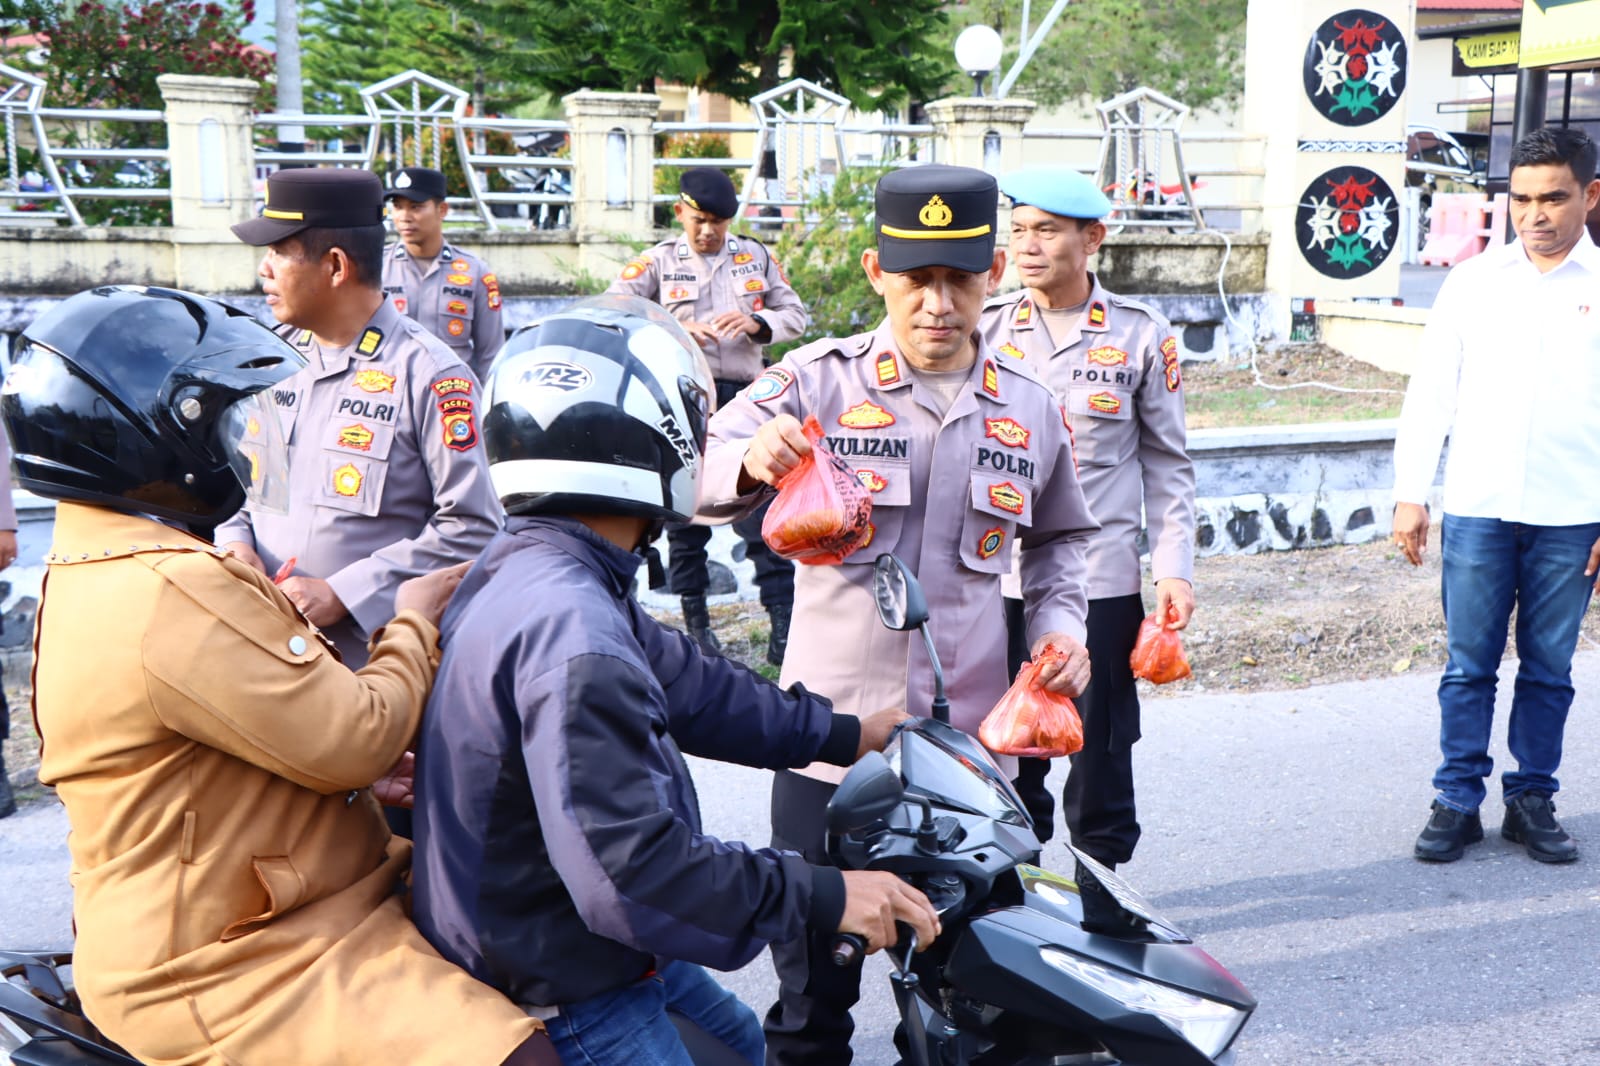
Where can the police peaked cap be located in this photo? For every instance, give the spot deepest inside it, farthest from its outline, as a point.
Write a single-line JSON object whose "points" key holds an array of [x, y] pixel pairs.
{"points": [[314, 198], [936, 215], [710, 190], [1058, 190], [418, 184]]}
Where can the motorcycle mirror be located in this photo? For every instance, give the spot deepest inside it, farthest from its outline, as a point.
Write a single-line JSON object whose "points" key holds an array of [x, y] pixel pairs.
{"points": [[868, 793], [901, 604]]}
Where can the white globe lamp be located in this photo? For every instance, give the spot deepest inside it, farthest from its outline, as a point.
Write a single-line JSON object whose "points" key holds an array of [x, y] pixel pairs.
{"points": [[978, 50]]}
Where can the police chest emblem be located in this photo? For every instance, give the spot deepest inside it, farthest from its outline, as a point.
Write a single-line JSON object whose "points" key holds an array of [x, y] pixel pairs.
{"points": [[459, 279], [678, 292], [755, 285], [1007, 497], [866, 415], [991, 379], [456, 307], [1007, 431], [1097, 314], [872, 480], [460, 266], [1105, 403], [1107, 356], [1012, 350], [373, 381], [771, 384], [563, 377], [991, 542], [456, 327], [743, 258], [888, 369], [347, 480], [356, 436], [935, 214]]}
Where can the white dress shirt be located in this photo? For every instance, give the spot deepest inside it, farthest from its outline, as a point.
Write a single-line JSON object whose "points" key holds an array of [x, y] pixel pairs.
{"points": [[1510, 371]]}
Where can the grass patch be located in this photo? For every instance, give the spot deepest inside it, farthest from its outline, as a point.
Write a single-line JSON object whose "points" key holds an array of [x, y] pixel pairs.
{"points": [[1226, 393]]}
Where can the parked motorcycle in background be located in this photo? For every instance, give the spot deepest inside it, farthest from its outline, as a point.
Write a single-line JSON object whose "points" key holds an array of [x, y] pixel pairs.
{"points": [[551, 181], [1033, 968]]}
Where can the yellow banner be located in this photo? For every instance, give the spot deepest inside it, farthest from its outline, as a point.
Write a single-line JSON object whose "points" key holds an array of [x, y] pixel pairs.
{"points": [[1488, 50], [1559, 31]]}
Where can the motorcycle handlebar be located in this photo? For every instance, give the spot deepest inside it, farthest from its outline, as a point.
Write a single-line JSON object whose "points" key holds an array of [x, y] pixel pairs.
{"points": [[848, 949]]}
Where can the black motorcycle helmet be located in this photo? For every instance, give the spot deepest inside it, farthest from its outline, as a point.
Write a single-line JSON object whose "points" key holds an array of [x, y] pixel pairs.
{"points": [[599, 409], [134, 398]]}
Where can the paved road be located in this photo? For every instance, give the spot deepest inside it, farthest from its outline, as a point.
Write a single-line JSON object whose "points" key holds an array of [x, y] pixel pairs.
{"points": [[1278, 831]]}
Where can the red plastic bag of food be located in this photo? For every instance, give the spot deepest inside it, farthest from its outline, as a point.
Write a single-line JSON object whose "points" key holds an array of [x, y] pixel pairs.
{"points": [[1029, 720], [1158, 653], [822, 512]]}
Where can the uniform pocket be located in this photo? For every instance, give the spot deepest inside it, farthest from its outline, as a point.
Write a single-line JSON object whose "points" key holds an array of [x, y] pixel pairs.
{"points": [[680, 292], [1104, 432], [352, 483], [284, 889], [889, 481]]}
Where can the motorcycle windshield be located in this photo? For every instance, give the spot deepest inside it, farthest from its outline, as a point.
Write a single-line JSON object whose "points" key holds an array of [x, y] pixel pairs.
{"points": [[953, 770]]}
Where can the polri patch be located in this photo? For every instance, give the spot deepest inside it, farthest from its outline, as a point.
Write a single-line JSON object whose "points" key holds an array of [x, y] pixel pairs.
{"points": [[866, 415], [356, 436], [755, 285], [400, 304], [459, 431], [347, 480], [1107, 356], [1007, 431], [445, 386], [634, 268], [373, 381], [774, 382], [460, 266], [872, 480], [459, 279], [456, 327], [1105, 403], [990, 543], [456, 307], [1012, 350], [1007, 497]]}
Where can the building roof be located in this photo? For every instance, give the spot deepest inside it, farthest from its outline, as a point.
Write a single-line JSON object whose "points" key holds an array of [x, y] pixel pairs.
{"points": [[1469, 5]]}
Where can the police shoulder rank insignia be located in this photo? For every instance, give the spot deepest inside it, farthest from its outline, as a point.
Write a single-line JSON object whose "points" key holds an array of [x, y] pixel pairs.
{"points": [[1007, 497], [456, 307], [755, 285], [773, 382], [1107, 356], [990, 543], [369, 341], [445, 386], [1007, 431], [347, 480], [1013, 351], [634, 268], [866, 415], [373, 380], [1024, 315], [1105, 403], [304, 338], [1097, 314], [456, 327], [991, 379], [888, 369], [460, 266], [356, 436], [1169, 363], [872, 480]]}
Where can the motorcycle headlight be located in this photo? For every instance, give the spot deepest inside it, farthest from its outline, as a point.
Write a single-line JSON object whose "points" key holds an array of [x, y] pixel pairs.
{"points": [[1207, 1024]]}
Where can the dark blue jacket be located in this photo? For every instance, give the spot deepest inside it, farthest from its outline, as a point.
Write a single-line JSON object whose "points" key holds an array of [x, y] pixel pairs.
{"points": [[559, 849]]}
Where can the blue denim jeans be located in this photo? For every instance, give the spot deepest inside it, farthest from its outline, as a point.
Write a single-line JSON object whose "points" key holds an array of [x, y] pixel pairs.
{"points": [[1490, 567], [631, 1027]]}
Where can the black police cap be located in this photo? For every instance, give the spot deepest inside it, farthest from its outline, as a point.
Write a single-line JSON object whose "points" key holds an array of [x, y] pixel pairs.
{"points": [[708, 189], [419, 184], [936, 215], [314, 197]]}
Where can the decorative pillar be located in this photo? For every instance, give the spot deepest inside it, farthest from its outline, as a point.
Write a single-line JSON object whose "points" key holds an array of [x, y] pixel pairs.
{"points": [[211, 159], [613, 159], [980, 132]]}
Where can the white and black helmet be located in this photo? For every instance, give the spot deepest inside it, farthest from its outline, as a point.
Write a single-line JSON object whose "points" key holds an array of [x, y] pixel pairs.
{"points": [[599, 409]]}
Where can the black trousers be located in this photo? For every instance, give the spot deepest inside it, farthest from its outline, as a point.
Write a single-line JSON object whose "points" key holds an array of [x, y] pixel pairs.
{"points": [[686, 547], [810, 1023], [1097, 801]]}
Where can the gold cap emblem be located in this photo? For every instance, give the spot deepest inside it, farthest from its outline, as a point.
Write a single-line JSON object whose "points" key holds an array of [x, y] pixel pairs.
{"points": [[935, 213]]}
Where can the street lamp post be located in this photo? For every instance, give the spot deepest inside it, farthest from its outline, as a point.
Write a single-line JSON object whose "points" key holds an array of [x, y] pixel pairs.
{"points": [[978, 51]]}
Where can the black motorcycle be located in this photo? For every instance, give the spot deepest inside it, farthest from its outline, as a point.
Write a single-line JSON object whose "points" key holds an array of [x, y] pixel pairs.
{"points": [[1032, 968]]}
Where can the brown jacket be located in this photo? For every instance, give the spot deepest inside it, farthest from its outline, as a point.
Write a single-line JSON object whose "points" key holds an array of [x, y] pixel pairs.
{"points": [[234, 883]]}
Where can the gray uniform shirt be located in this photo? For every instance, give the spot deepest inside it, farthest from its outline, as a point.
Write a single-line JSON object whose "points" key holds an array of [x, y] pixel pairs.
{"points": [[1117, 374], [386, 472], [950, 494], [454, 296], [743, 276]]}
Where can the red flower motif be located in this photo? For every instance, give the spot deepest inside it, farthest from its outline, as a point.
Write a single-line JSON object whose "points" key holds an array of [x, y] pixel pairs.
{"points": [[1359, 38]]}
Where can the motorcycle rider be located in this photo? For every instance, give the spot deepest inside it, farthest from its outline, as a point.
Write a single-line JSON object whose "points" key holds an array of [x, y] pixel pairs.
{"points": [[560, 851], [235, 886]]}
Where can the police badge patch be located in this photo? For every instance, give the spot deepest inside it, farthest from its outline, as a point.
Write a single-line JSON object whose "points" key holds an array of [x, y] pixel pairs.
{"points": [[774, 382]]}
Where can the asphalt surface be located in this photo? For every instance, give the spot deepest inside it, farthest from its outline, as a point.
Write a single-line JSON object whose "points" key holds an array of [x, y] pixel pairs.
{"points": [[1278, 832]]}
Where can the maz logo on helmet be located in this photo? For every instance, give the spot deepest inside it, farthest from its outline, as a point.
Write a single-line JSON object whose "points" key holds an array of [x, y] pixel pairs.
{"points": [[680, 442], [566, 377]]}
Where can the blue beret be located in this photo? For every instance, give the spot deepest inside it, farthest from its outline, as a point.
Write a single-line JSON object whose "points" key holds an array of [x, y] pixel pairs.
{"points": [[1058, 190]]}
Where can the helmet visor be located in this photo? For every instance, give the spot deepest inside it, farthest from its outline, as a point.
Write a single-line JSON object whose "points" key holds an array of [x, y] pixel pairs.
{"points": [[252, 439]]}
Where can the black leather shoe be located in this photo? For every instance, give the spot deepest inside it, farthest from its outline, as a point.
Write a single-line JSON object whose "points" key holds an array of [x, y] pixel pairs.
{"points": [[1531, 822], [778, 640], [697, 623], [1447, 834]]}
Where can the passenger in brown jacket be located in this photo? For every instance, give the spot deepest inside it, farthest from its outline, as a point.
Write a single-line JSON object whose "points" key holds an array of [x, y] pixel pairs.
{"points": [[235, 887]]}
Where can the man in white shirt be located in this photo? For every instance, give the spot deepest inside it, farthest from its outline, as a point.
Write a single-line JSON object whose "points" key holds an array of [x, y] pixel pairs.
{"points": [[1521, 503]]}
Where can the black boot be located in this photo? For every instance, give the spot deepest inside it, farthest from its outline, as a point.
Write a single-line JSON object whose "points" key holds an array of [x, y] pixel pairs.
{"points": [[8, 804], [697, 623], [778, 640]]}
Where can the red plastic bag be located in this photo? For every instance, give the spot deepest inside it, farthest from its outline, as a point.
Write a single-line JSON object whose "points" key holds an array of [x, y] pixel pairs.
{"points": [[822, 512], [1029, 720], [1158, 653]]}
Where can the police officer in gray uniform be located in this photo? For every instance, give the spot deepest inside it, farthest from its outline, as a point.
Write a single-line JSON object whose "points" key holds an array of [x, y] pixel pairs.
{"points": [[1113, 364], [451, 292], [731, 295], [387, 476]]}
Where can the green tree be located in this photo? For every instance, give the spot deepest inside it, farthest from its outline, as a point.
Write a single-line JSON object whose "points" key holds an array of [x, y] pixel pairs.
{"points": [[350, 44], [878, 54], [823, 262], [1191, 50]]}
